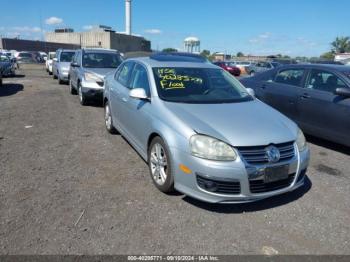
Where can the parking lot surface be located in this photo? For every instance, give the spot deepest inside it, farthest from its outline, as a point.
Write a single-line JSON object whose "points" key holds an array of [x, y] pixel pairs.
{"points": [[68, 187]]}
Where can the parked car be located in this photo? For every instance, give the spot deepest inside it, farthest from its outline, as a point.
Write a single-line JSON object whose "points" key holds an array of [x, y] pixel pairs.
{"points": [[242, 65], [43, 56], [88, 69], [261, 67], [7, 66], [0, 77], [25, 57], [201, 132], [317, 97], [229, 67], [49, 62], [61, 64]]}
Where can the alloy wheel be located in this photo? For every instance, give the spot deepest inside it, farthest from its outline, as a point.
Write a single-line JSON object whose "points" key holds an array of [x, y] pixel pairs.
{"points": [[158, 164]]}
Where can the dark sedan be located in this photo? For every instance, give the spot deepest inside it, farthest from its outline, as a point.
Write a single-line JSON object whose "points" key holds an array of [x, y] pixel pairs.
{"points": [[229, 67], [317, 97]]}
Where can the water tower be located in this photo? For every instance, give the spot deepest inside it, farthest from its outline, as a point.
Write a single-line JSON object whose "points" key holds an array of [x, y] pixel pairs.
{"points": [[192, 45]]}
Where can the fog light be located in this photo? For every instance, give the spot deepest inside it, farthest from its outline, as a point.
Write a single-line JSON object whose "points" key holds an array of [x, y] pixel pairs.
{"points": [[210, 186]]}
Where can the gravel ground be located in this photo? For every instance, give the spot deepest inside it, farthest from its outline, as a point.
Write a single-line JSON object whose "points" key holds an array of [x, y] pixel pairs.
{"points": [[58, 164]]}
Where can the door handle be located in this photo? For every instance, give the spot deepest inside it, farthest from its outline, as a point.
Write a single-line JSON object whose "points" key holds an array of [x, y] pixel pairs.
{"points": [[305, 96], [125, 99], [263, 86]]}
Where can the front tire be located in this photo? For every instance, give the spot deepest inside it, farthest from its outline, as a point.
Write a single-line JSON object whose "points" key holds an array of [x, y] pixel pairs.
{"points": [[108, 120], [160, 165], [82, 97], [72, 90]]}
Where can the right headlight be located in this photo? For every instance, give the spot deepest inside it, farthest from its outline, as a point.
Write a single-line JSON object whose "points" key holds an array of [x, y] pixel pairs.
{"points": [[212, 149], [301, 141], [91, 77]]}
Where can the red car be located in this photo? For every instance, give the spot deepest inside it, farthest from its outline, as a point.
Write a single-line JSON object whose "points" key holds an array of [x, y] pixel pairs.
{"points": [[232, 69]]}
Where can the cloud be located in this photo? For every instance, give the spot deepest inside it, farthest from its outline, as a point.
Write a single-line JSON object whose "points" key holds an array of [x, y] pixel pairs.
{"points": [[260, 38], [53, 20], [153, 31]]}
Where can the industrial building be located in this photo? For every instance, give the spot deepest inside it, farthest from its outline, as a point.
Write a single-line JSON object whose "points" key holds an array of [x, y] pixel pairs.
{"points": [[103, 36], [31, 45]]}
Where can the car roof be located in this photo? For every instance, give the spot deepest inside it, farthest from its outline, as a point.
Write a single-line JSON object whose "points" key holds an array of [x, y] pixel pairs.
{"points": [[67, 50], [175, 60], [341, 68], [99, 50]]}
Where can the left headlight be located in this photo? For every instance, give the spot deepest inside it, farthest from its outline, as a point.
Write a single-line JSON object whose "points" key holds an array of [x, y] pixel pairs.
{"points": [[210, 148], [90, 77], [301, 141]]}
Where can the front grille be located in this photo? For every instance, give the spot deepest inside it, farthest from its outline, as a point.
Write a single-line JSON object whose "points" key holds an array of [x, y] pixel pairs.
{"points": [[259, 186], [257, 154], [216, 186]]}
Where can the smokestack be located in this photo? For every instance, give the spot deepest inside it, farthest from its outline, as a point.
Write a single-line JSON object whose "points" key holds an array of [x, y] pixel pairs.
{"points": [[128, 17]]}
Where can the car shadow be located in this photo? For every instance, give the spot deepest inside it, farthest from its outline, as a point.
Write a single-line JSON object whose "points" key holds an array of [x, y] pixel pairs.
{"points": [[328, 144], [19, 76], [264, 204], [8, 89]]}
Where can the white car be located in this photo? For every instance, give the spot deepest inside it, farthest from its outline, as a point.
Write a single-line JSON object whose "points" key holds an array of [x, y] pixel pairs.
{"points": [[49, 61]]}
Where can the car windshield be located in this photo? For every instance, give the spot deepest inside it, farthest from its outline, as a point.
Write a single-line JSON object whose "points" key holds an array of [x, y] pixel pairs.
{"points": [[101, 60], [67, 56], [52, 56], [198, 85]]}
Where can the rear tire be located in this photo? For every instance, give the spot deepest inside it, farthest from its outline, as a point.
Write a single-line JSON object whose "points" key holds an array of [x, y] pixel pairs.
{"points": [[160, 166]]}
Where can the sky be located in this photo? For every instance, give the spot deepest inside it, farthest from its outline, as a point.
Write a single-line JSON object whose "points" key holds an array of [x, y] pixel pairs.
{"points": [[257, 27]]}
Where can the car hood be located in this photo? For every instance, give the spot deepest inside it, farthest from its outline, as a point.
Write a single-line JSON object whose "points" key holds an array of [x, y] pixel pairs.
{"points": [[101, 72], [239, 124], [64, 65]]}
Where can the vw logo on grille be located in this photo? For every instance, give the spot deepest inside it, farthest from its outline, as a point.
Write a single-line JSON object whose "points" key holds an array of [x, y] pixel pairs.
{"points": [[273, 154]]}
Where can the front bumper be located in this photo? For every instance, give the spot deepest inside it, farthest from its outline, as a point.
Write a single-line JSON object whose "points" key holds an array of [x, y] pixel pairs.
{"points": [[64, 75], [8, 71], [92, 89], [231, 172]]}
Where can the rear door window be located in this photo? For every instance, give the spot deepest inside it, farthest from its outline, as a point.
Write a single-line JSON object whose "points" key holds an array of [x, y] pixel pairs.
{"points": [[291, 77]]}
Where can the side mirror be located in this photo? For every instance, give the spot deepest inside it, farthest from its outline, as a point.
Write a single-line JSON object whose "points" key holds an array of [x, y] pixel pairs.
{"points": [[74, 64], [55, 59], [138, 93], [343, 92], [251, 92]]}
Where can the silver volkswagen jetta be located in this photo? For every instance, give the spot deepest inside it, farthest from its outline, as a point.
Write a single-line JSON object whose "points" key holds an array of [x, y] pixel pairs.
{"points": [[201, 132]]}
